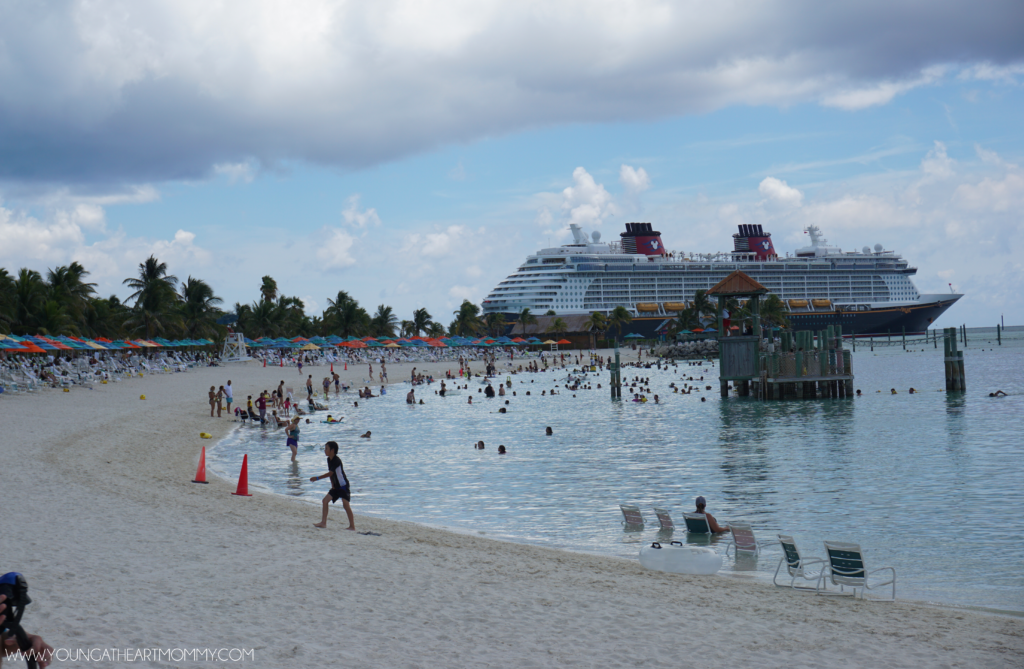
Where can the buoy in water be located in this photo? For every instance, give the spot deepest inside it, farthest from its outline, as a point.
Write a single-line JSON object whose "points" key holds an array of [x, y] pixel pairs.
{"points": [[142, 397], [679, 559]]}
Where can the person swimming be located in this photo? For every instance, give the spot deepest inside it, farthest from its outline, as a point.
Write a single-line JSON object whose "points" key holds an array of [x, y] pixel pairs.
{"points": [[501, 450], [365, 436], [998, 393], [330, 419]]}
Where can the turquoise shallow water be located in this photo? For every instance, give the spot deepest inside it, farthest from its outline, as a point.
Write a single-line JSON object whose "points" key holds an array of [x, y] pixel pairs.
{"points": [[928, 483]]}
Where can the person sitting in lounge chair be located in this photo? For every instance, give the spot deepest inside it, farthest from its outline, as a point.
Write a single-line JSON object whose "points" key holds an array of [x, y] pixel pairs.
{"points": [[712, 523]]}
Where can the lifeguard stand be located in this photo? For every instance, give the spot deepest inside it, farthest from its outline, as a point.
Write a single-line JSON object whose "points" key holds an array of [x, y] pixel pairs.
{"points": [[738, 356], [234, 348]]}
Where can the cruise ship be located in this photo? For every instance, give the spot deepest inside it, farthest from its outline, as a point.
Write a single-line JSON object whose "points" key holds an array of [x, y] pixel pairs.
{"points": [[867, 292]]}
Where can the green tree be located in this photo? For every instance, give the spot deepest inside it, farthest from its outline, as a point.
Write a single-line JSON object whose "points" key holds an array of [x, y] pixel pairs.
{"points": [[384, 322], [774, 311], [550, 312], [6, 301], [495, 324], [618, 317], [199, 309], [53, 319], [703, 306], [407, 329], [345, 317], [467, 319], [69, 290], [268, 289], [435, 330], [421, 319], [597, 323], [155, 300], [27, 298], [526, 318], [557, 327]]}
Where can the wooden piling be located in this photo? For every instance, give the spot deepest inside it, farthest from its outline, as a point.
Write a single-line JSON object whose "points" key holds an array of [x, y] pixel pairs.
{"points": [[999, 334]]}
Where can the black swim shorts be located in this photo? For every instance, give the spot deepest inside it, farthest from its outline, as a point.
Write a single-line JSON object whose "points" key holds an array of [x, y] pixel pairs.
{"points": [[342, 493]]}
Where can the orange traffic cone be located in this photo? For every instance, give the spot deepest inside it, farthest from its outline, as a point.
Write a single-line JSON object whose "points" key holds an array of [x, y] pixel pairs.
{"points": [[201, 470], [243, 478], [346, 366], [332, 368]]}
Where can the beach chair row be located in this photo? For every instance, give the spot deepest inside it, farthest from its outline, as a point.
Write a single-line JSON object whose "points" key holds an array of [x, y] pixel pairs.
{"points": [[844, 565]]}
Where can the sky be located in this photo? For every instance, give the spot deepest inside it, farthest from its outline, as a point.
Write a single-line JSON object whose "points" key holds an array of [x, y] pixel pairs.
{"points": [[413, 154]]}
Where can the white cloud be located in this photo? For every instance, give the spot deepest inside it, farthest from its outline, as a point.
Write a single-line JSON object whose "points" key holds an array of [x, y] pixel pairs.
{"points": [[780, 192], [993, 193], [586, 202], [635, 181], [243, 171], [119, 91], [937, 164], [880, 93], [356, 218], [334, 249]]}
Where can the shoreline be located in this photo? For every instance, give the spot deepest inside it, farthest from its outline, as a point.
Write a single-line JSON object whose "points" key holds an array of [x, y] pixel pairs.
{"points": [[116, 543], [760, 578]]}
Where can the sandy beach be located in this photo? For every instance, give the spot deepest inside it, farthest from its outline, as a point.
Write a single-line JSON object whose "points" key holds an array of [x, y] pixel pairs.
{"points": [[121, 550]]}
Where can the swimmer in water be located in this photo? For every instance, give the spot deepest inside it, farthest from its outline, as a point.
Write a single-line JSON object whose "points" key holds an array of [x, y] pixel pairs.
{"points": [[548, 432], [365, 436], [501, 450], [293, 437], [892, 391], [998, 393], [330, 419]]}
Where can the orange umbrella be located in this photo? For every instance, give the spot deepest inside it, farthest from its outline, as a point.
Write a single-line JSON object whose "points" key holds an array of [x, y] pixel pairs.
{"points": [[564, 341]]}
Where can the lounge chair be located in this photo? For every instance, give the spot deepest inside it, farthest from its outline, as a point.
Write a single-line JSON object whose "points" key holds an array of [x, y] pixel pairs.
{"points": [[743, 539], [697, 523], [846, 567], [631, 515], [664, 518], [796, 565]]}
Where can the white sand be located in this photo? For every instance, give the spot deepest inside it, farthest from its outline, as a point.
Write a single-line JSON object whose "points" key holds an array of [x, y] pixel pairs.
{"points": [[121, 550]]}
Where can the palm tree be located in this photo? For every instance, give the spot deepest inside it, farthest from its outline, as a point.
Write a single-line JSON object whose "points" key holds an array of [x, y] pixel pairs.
{"points": [[467, 319], [421, 320], [550, 312], [383, 322], [526, 318], [774, 310], [557, 326], [435, 330], [684, 320], [495, 323], [597, 323], [198, 308], [260, 319], [154, 296], [619, 317], [268, 289], [53, 319], [6, 300], [407, 329], [345, 316], [703, 306], [68, 289], [26, 301]]}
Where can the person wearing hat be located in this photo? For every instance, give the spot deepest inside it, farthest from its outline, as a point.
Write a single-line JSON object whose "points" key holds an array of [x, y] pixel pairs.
{"points": [[712, 523]]}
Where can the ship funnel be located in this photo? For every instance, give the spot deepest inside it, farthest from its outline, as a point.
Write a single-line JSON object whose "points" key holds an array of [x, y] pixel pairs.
{"points": [[642, 238], [752, 239]]}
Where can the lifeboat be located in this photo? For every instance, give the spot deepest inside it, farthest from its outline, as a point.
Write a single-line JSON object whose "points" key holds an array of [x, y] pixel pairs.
{"points": [[647, 306], [822, 303], [679, 559], [675, 306], [797, 304]]}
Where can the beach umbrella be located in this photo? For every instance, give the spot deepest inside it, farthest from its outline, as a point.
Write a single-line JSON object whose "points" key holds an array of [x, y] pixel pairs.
{"points": [[696, 330], [633, 336], [564, 341], [551, 341], [392, 345], [709, 330], [309, 347]]}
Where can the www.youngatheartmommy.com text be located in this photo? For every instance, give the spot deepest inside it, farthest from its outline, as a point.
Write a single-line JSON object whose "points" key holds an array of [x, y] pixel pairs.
{"points": [[141, 655]]}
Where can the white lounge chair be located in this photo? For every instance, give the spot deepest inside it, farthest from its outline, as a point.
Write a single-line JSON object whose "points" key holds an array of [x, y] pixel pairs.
{"points": [[796, 565], [846, 568], [697, 523], [631, 515], [743, 539], [664, 519]]}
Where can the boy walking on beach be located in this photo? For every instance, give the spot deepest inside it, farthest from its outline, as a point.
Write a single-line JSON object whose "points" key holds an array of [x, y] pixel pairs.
{"points": [[339, 485]]}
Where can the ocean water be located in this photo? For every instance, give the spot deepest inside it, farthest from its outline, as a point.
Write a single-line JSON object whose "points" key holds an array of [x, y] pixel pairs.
{"points": [[928, 483]]}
